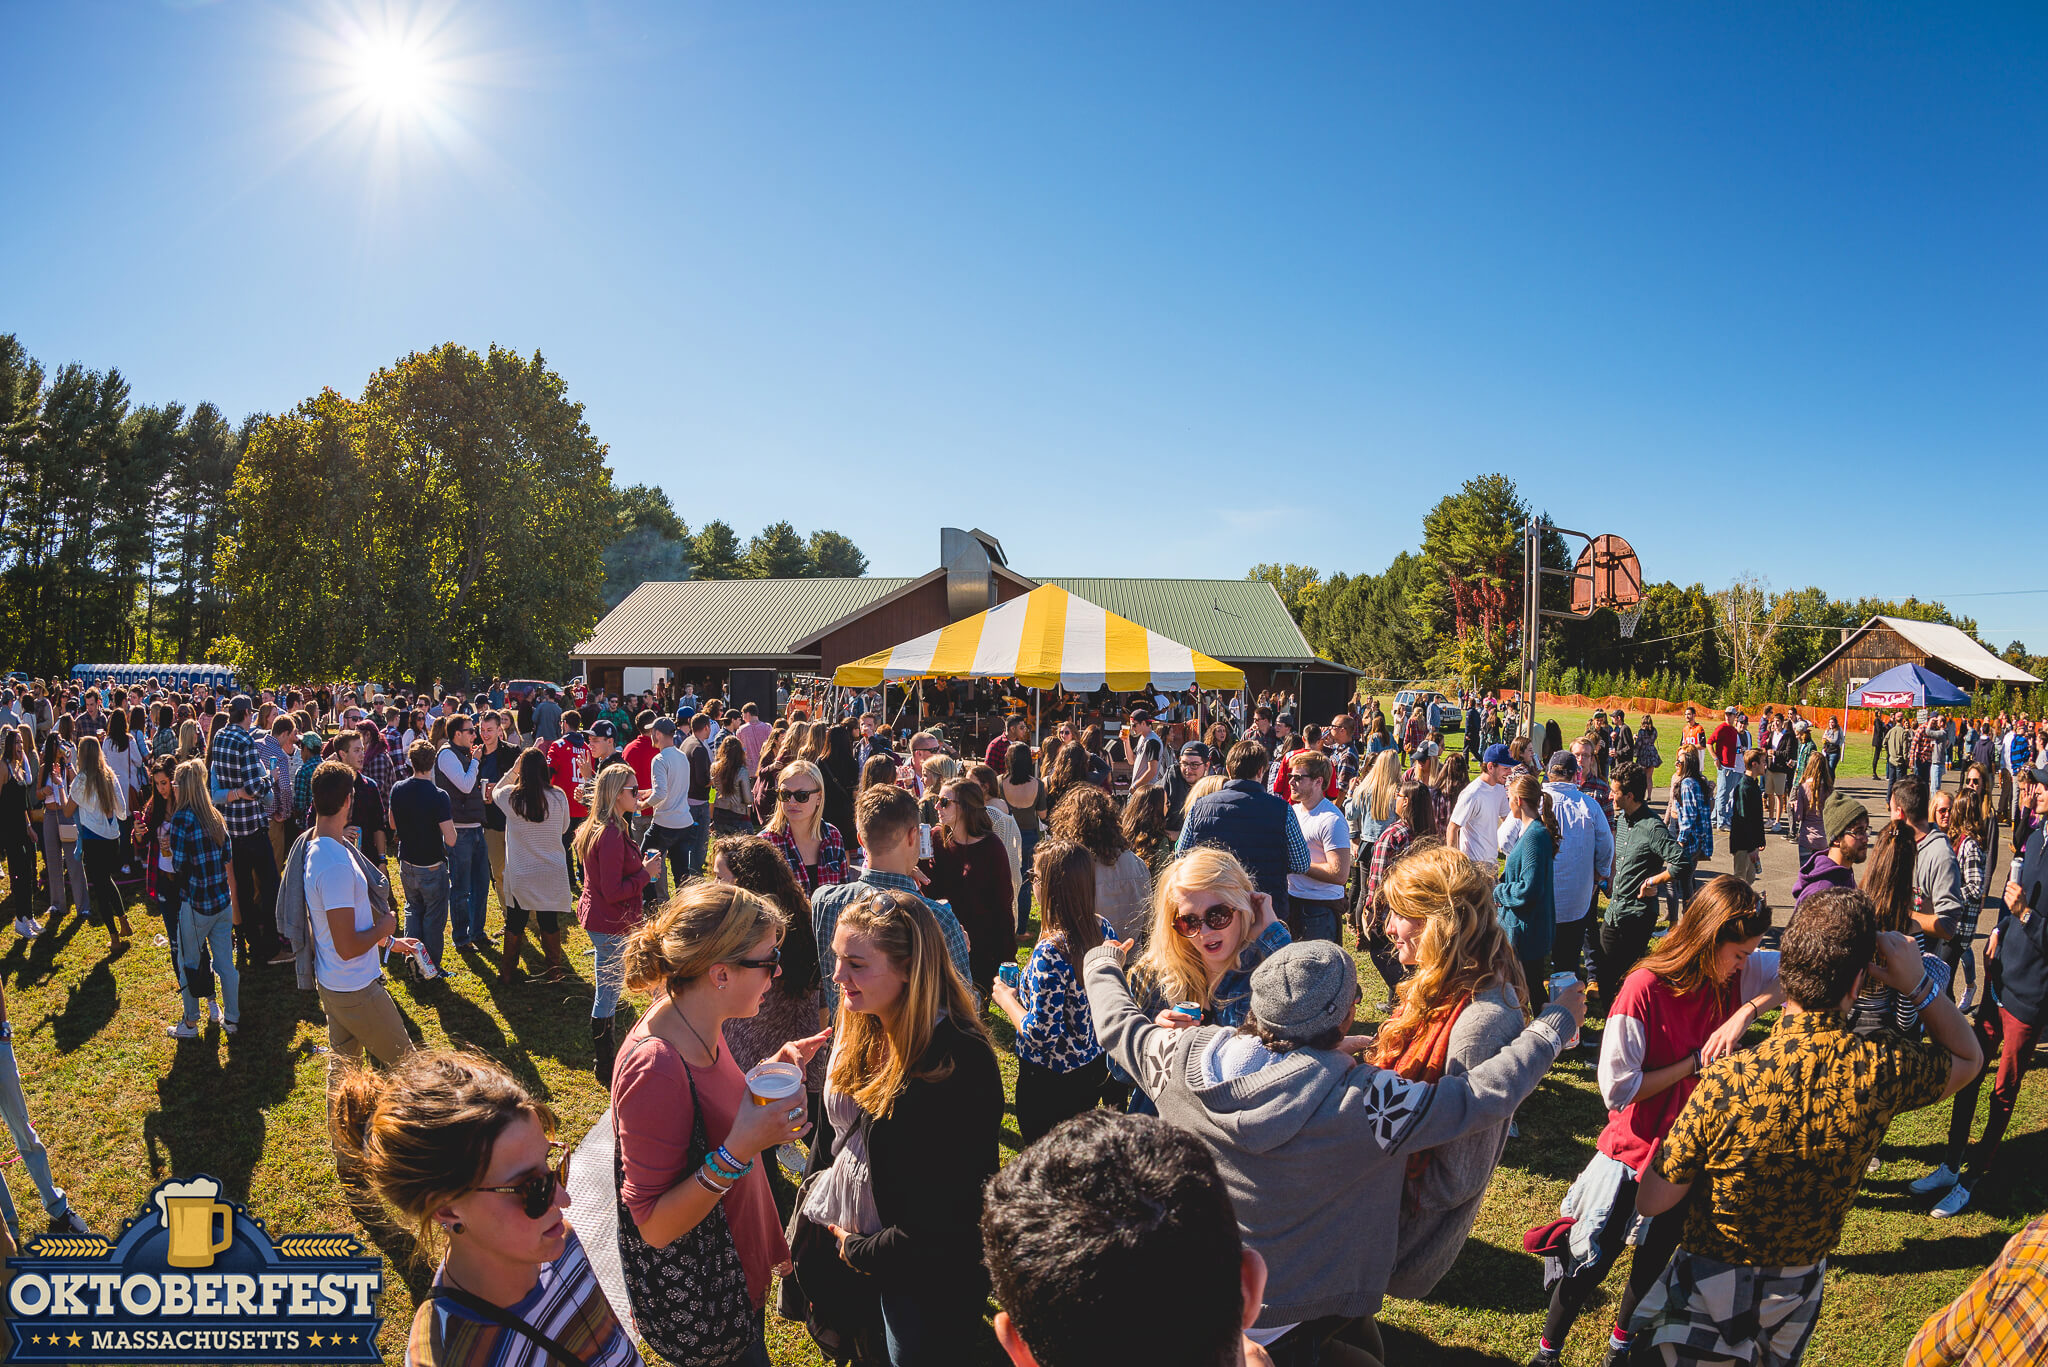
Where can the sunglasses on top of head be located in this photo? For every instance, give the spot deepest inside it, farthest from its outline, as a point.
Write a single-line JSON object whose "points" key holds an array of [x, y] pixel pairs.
{"points": [[1190, 923], [536, 1193]]}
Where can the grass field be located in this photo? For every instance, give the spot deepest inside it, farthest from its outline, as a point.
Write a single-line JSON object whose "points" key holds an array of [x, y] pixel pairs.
{"points": [[121, 1107]]}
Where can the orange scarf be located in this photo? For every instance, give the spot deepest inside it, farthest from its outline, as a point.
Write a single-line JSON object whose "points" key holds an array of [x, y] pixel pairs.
{"points": [[1422, 1060]]}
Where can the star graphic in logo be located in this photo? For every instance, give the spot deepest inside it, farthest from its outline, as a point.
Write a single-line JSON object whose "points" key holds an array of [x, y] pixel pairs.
{"points": [[317, 1340], [74, 1341]]}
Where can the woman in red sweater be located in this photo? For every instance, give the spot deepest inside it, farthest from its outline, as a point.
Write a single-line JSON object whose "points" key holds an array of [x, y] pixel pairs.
{"points": [[970, 869], [614, 877]]}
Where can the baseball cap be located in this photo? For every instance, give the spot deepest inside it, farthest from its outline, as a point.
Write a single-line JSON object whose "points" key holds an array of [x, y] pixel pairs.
{"points": [[1497, 753], [665, 725], [1562, 764], [1138, 714], [604, 729], [1197, 749]]}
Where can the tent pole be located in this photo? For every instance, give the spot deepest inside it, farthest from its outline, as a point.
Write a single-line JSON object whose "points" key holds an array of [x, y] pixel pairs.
{"points": [[1037, 720]]}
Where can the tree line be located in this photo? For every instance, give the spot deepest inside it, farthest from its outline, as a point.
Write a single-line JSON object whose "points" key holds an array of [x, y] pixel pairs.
{"points": [[1452, 610], [111, 517], [653, 542]]}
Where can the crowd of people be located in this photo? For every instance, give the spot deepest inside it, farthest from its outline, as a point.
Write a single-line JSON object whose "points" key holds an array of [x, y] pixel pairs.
{"points": [[816, 917]]}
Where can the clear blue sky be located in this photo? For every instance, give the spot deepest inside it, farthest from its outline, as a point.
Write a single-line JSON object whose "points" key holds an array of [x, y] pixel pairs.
{"points": [[1142, 290]]}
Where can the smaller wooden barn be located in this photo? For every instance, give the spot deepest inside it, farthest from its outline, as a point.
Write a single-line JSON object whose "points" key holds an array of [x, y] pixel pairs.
{"points": [[1885, 642]]}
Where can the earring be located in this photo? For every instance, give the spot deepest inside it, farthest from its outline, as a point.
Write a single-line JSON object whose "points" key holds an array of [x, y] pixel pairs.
{"points": [[455, 1227]]}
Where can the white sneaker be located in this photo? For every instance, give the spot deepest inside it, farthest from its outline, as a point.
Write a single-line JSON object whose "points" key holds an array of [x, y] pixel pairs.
{"points": [[1952, 1204], [182, 1030], [213, 1010], [228, 1027], [1941, 1179], [26, 928], [1874, 1164]]}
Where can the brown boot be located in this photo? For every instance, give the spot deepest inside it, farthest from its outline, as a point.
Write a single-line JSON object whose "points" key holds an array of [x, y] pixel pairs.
{"points": [[508, 957], [556, 970]]}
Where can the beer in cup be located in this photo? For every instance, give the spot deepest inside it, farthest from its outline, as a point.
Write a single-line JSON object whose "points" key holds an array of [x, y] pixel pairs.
{"points": [[774, 1081], [1565, 982]]}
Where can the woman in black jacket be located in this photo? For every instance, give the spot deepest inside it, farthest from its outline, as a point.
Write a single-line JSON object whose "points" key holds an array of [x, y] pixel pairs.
{"points": [[842, 782], [916, 1103]]}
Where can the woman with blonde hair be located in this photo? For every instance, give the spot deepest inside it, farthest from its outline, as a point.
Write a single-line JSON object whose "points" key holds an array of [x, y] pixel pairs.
{"points": [[469, 1159], [191, 744], [1808, 798], [207, 898], [1460, 1004], [690, 1139], [101, 802], [916, 1104], [1688, 1002], [1370, 805], [1209, 929], [814, 847], [615, 878]]}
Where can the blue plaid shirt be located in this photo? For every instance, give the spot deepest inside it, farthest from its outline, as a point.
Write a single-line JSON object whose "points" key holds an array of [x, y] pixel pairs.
{"points": [[201, 865], [233, 761], [828, 902], [1695, 820]]}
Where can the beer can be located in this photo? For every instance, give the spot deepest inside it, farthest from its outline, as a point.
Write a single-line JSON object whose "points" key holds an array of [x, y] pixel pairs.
{"points": [[1189, 1009], [1009, 975]]}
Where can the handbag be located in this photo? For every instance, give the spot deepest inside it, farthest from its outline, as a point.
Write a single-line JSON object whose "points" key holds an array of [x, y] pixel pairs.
{"points": [[455, 1295], [689, 1299]]}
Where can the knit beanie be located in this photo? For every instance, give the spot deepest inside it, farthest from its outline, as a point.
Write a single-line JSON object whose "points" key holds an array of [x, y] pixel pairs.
{"points": [[1305, 989], [1840, 813]]}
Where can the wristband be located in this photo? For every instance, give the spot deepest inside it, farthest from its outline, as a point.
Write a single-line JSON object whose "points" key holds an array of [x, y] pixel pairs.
{"points": [[1933, 991], [725, 1168], [726, 1159]]}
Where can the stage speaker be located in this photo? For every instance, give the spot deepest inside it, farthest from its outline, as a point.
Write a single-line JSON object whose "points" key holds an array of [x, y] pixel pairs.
{"points": [[756, 686]]}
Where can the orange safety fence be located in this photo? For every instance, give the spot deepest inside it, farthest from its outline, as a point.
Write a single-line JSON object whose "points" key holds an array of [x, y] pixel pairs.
{"points": [[1859, 718]]}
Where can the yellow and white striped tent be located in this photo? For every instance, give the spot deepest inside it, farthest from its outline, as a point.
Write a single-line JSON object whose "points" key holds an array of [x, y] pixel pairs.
{"points": [[1046, 639]]}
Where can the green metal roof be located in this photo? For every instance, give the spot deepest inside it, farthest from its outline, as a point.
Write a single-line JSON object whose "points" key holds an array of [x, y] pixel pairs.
{"points": [[1238, 620], [726, 619], [1241, 621]]}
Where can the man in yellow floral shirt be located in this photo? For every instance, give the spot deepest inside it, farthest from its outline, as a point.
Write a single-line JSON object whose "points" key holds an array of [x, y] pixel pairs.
{"points": [[1781, 1133]]}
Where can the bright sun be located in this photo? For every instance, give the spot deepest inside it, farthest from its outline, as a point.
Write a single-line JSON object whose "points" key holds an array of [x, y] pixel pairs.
{"points": [[393, 74]]}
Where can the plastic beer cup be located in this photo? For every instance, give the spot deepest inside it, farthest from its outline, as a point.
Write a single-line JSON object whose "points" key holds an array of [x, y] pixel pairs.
{"points": [[774, 1081], [1564, 982]]}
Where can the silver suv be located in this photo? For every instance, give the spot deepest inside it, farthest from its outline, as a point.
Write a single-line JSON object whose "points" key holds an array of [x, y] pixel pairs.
{"points": [[1412, 698]]}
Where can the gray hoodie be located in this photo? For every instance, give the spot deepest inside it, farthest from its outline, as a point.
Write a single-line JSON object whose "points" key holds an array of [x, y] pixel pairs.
{"points": [[1312, 1145]]}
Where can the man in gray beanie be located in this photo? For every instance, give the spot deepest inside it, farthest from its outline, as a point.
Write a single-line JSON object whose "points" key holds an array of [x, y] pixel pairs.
{"points": [[1312, 1144]]}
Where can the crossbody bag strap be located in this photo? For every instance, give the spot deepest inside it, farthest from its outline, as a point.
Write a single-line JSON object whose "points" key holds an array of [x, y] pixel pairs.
{"points": [[457, 1296]]}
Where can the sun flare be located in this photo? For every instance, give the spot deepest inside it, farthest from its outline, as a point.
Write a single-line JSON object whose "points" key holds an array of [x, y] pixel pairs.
{"points": [[393, 74]]}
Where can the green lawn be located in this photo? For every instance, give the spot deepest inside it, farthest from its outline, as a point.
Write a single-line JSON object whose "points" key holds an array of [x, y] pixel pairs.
{"points": [[122, 1107]]}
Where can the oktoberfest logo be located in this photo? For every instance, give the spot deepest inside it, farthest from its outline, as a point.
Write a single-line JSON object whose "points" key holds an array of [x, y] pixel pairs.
{"points": [[194, 1279]]}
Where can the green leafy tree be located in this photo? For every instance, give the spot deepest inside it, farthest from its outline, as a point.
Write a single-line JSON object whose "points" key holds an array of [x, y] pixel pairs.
{"points": [[1470, 597], [777, 552], [833, 556], [1299, 586], [651, 542], [717, 553]]}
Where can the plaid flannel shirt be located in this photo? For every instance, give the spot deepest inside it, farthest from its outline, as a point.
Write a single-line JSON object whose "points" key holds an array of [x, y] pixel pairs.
{"points": [[1385, 850], [285, 767], [201, 865], [831, 856], [2002, 1318], [1695, 820], [827, 905], [233, 761]]}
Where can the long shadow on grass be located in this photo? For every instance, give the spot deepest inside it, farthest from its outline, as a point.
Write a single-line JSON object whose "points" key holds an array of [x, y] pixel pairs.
{"points": [[211, 1103], [34, 962], [87, 1008], [1917, 1255], [1406, 1348], [1487, 1277]]}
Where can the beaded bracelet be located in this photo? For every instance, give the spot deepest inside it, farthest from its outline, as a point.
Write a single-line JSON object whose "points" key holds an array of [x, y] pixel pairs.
{"points": [[721, 1171], [1933, 991]]}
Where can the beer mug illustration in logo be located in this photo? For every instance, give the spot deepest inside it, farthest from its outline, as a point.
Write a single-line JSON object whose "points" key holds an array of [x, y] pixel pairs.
{"points": [[188, 1210]]}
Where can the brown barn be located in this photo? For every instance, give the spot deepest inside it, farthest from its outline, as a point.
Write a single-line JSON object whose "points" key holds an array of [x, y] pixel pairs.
{"points": [[1886, 642], [701, 629]]}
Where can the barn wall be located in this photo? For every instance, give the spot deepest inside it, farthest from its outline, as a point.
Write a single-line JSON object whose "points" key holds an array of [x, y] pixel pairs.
{"points": [[1880, 649]]}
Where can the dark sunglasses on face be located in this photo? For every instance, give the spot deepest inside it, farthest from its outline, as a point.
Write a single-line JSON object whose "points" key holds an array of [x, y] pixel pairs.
{"points": [[796, 794], [1190, 923], [537, 1193], [774, 960], [945, 802]]}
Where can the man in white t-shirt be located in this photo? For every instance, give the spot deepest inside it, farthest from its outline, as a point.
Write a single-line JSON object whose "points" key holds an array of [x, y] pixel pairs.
{"points": [[1318, 895], [1148, 754], [1475, 820], [347, 932]]}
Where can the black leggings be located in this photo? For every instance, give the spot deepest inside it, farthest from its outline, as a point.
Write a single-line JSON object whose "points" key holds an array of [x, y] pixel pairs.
{"points": [[1570, 1295], [1045, 1098], [548, 922], [102, 858], [21, 881], [1617, 951]]}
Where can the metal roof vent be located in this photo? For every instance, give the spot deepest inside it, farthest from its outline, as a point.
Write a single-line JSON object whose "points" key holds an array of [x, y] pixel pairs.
{"points": [[970, 574]]}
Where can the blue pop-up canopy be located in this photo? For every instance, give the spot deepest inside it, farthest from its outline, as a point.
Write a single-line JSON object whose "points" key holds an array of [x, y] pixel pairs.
{"points": [[1908, 686]]}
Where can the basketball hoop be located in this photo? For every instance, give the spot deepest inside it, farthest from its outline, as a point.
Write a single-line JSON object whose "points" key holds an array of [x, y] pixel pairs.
{"points": [[1628, 617]]}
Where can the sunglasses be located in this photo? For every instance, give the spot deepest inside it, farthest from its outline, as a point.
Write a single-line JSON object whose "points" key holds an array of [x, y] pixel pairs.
{"points": [[1190, 924], [774, 960], [945, 802], [537, 1193], [796, 794]]}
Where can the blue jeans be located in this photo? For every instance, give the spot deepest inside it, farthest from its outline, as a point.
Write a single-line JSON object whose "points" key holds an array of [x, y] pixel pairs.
{"points": [[1317, 919], [929, 1326], [669, 846], [1934, 773], [1029, 840], [469, 884], [1724, 796], [426, 904], [217, 933], [696, 841], [609, 952], [34, 1157]]}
